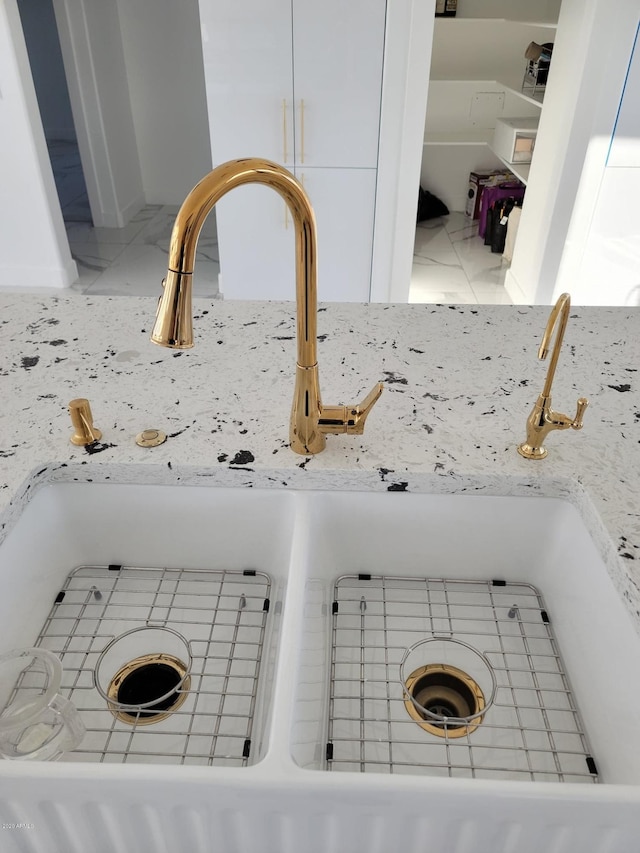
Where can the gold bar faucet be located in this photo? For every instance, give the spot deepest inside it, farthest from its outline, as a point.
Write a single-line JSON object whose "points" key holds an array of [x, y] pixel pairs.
{"points": [[310, 419], [543, 419]]}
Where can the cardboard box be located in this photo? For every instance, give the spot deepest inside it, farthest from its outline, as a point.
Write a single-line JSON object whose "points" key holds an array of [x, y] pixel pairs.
{"points": [[477, 181]]}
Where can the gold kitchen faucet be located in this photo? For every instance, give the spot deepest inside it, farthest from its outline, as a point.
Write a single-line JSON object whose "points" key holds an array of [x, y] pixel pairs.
{"points": [[310, 419], [543, 419]]}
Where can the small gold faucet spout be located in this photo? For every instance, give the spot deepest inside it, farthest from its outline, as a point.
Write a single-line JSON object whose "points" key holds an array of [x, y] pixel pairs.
{"points": [[310, 420], [543, 419]]}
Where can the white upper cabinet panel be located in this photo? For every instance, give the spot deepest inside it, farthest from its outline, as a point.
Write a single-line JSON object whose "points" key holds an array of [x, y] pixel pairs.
{"points": [[246, 47], [257, 245], [338, 55], [344, 202]]}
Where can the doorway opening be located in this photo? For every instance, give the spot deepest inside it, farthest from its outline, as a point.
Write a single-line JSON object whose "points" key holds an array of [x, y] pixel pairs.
{"points": [[47, 69]]}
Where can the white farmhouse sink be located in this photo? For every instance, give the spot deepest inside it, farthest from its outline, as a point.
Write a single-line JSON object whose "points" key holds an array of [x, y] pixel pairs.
{"points": [[290, 797], [535, 541], [215, 534]]}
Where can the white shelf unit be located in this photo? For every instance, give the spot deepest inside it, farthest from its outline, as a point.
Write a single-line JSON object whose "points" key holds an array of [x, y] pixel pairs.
{"points": [[461, 119], [484, 18], [476, 77], [520, 170]]}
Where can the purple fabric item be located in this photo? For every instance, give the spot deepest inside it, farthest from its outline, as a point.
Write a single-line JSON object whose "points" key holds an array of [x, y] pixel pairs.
{"points": [[492, 194]]}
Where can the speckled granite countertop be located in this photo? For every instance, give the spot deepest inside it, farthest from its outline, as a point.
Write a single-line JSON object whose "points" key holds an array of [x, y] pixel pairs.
{"points": [[459, 384]]}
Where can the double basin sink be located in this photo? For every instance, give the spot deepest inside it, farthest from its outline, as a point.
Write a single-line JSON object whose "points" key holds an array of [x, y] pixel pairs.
{"points": [[304, 541]]}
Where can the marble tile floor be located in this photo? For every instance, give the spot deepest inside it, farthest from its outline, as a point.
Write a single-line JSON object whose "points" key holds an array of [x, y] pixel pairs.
{"points": [[133, 260], [451, 264], [130, 260]]}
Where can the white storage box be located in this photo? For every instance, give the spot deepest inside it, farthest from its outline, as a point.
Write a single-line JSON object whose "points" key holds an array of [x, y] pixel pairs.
{"points": [[514, 139]]}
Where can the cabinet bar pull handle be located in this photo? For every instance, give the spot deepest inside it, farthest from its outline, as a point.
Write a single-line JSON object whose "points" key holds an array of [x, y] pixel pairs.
{"points": [[302, 130], [284, 130]]}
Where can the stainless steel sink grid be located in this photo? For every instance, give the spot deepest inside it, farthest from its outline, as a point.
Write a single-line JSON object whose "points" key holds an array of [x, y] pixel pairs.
{"points": [[221, 614], [532, 731]]}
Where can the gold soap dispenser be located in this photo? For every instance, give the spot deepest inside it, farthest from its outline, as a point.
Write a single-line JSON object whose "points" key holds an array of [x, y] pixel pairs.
{"points": [[82, 420]]}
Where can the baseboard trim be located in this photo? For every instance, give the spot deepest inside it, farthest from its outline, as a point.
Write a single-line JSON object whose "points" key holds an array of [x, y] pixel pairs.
{"points": [[516, 293], [24, 278]]}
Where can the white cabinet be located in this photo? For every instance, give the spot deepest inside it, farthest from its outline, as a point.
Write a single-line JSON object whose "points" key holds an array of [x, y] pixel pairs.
{"points": [[344, 202], [299, 83], [337, 73]]}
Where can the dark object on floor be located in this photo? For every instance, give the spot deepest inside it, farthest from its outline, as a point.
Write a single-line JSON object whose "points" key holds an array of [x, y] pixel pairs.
{"points": [[430, 206], [497, 193], [478, 180], [498, 217]]}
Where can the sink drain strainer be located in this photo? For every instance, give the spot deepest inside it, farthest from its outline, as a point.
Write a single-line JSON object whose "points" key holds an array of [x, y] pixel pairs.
{"points": [[444, 699], [144, 674], [449, 694], [148, 689]]}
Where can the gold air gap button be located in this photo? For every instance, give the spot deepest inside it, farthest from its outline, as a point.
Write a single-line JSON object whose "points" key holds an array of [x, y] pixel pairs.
{"points": [[150, 438]]}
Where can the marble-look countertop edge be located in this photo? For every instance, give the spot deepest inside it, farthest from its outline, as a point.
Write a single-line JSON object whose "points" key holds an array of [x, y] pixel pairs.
{"points": [[459, 384]]}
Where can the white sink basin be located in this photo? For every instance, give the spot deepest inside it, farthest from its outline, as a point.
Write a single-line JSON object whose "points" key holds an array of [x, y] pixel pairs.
{"points": [[215, 534], [286, 799], [535, 541]]}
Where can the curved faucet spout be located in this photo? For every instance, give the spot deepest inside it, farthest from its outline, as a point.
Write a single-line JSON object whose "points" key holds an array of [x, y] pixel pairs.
{"points": [[173, 326], [558, 318]]}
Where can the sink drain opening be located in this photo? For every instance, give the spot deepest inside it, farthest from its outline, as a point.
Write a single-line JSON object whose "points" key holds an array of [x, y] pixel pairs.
{"points": [[148, 689], [444, 691]]}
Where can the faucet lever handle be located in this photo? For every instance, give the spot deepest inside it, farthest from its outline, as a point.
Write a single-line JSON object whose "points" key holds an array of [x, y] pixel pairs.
{"points": [[339, 420], [582, 405], [358, 414]]}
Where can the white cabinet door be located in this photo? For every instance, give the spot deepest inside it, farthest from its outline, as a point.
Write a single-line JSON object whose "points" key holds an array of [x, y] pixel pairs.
{"points": [[257, 247], [248, 74], [338, 52], [257, 67], [246, 48], [344, 202]]}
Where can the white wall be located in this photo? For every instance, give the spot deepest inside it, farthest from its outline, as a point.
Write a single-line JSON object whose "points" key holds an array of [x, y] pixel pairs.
{"points": [[96, 74], [539, 10], [163, 58], [587, 73], [33, 248], [601, 264], [489, 50], [446, 174], [407, 57], [41, 35]]}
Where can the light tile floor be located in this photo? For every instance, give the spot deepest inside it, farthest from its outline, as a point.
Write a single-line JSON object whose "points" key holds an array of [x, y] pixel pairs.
{"points": [[133, 260], [451, 264], [130, 260]]}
